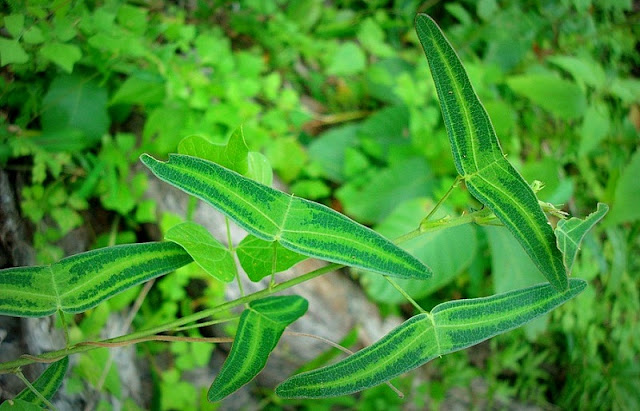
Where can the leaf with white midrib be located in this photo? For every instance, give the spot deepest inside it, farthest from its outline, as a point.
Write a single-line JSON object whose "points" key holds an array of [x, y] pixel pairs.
{"points": [[82, 281], [570, 233], [450, 327], [298, 224], [47, 384], [479, 158]]}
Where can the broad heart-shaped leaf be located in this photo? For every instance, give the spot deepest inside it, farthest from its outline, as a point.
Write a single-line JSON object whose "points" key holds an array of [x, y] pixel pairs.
{"points": [[77, 283], [260, 328], [47, 384], [206, 251], [480, 160], [569, 233], [257, 257], [232, 155], [450, 327], [300, 225]]}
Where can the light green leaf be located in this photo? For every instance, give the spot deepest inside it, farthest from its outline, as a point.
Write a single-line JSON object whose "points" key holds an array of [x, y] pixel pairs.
{"points": [[14, 23], [257, 257], [259, 168], [582, 70], [300, 225], [260, 328], [11, 52], [561, 97], [47, 384], [64, 55], [479, 158], [427, 248], [19, 405], [206, 251], [627, 194], [144, 88], [571, 232], [232, 155], [450, 327], [77, 283], [33, 35], [347, 60]]}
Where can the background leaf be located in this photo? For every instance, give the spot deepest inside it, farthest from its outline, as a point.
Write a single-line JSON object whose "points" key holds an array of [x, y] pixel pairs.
{"points": [[260, 328], [627, 194], [561, 97]]}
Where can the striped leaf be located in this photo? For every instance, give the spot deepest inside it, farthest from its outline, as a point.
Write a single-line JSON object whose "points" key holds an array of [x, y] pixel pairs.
{"points": [[47, 384], [299, 225], [260, 258], [206, 251], [77, 283], [569, 233], [259, 330], [449, 327], [479, 158]]}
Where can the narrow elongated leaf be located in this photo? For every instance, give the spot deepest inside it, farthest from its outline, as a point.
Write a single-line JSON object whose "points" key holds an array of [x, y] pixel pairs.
{"points": [[569, 233], [260, 328], [77, 283], [47, 384], [300, 225], [480, 160], [449, 327], [257, 257], [206, 251]]}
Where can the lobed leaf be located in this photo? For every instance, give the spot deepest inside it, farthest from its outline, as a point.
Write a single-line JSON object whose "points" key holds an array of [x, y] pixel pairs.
{"points": [[232, 155], [257, 257], [206, 251], [569, 233], [449, 327], [260, 328], [479, 158], [77, 283], [299, 225], [47, 384]]}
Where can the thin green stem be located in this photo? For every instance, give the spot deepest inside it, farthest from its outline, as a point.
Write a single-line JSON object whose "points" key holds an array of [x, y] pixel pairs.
{"points": [[405, 294], [33, 389], [206, 323], [442, 199], [65, 328], [232, 250]]}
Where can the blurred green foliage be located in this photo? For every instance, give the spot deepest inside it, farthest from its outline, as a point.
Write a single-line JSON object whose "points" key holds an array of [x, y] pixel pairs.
{"points": [[338, 97]]}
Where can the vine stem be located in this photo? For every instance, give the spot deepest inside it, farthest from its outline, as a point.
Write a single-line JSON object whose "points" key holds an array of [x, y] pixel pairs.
{"points": [[482, 216], [33, 389]]}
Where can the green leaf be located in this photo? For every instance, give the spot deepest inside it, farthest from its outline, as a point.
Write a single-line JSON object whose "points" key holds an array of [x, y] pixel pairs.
{"points": [[450, 327], [64, 55], [47, 384], [260, 328], [18, 405], [206, 251], [232, 155], [427, 248], [627, 194], [77, 283], [75, 102], [561, 97], [143, 88], [347, 60], [11, 52], [571, 232], [300, 225], [479, 158], [329, 147], [372, 199], [259, 168], [257, 257], [14, 23]]}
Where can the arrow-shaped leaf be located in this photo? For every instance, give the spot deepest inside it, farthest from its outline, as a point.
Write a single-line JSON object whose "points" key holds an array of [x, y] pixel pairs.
{"points": [[206, 251], [260, 258], [300, 225], [47, 384], [77, 283], [449, 327], [569, 233], [260, 328], [480, 160]]}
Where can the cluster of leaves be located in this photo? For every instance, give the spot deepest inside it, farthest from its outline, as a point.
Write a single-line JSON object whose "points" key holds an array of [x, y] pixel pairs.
{"points": [[555, 78]]}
